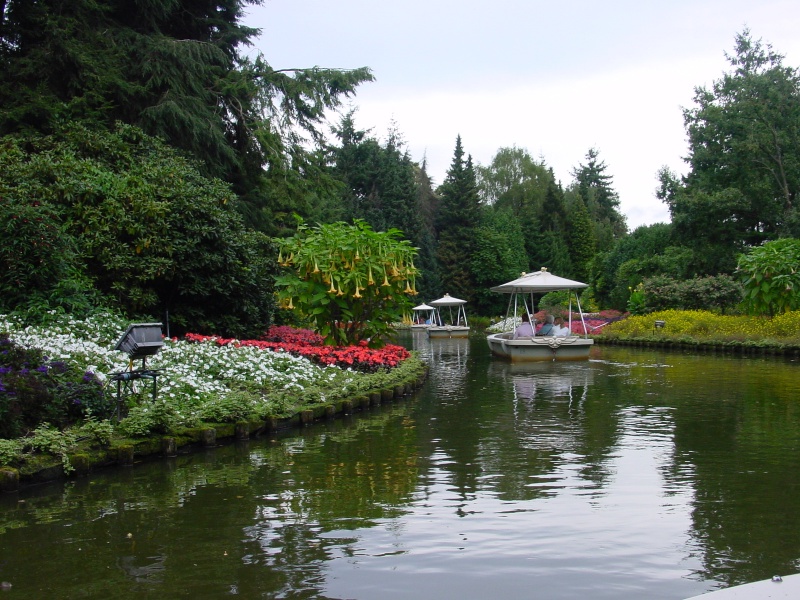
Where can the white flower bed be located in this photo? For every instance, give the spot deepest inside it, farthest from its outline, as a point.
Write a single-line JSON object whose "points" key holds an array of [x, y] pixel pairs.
{"points": [[191, 372]]}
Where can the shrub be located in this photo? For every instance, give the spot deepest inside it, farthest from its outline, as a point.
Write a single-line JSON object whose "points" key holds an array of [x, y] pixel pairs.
{"points": [[148, 418], [34, 390], [10, 452], [99, 432], [718, 293], [239, 405], [50, 440], [771, 277]]}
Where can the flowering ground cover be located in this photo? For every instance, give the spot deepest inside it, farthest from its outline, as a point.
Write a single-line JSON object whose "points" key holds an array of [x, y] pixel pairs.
{"points": [[206, 379], [307, 344], [705, 325]]}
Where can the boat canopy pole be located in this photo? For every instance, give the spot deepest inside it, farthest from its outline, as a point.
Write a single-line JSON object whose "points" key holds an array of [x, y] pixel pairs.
{"points": [[580, 312], [513, 303], [569, 319]]}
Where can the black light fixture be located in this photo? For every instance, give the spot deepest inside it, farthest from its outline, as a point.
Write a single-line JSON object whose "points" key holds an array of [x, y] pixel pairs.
{"points": [[140, 340]]}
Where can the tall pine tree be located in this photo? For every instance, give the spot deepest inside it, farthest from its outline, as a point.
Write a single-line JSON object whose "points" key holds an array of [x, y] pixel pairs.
{"points": [[456, 225], [595, 187]]}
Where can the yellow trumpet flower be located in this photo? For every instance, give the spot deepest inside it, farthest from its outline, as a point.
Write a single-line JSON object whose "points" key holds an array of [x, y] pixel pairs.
{"points": [[290, 305], [332, 289], [357, 295], [370, 280]]}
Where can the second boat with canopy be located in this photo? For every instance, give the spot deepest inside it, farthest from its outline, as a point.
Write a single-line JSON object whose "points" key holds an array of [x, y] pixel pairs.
{"points": [[423, 316], [449, 318]]}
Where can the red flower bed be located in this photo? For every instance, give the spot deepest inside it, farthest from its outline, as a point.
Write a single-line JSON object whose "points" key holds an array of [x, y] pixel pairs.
{"points": [[291, 335], [305, 343], [594, 321]]}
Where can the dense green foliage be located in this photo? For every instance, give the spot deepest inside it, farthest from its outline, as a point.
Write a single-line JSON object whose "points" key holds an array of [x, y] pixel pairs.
{"points": [[499, 257], [132, 221], [177, 70], [771, 277], [564, 229], [744, 172], [594, 186], [718, 293]]}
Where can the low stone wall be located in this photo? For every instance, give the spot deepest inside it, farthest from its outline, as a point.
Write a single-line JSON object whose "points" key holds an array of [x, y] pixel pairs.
{"points": [[187, 440]]}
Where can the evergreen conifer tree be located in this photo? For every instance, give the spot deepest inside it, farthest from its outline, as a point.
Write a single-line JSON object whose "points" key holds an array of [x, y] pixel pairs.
{"points": [[456, 225], [595, 187], [176, 69]]}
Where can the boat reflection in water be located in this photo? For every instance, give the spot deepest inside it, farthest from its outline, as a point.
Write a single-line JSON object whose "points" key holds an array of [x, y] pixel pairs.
{"points": [[447, 360], [546, 380], [548, 400]]}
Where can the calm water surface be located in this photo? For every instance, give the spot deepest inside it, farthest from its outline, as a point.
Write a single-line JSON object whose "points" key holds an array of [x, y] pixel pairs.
{"points": [[639, 474]]}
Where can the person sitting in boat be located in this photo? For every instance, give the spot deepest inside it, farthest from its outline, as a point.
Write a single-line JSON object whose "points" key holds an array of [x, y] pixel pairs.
{"points": [[547, 328], [525, 329], [559, 329]]}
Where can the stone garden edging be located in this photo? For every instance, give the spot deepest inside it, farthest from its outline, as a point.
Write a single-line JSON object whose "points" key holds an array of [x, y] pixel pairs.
{"points": [[192, 439]]}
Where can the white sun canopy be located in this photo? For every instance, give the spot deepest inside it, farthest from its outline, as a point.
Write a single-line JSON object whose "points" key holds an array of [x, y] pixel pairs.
{"points": [[538, 282], [448, 300], [422, 306]]}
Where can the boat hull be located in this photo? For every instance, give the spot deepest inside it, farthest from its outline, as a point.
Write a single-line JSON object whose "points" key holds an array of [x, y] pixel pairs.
{"points": [[777, 587], [539, 348], [447, 331]]}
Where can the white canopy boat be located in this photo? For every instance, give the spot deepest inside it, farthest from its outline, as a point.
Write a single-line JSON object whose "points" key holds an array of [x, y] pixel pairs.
{"points": [[423, 316], [449, 318], [539, 347]]}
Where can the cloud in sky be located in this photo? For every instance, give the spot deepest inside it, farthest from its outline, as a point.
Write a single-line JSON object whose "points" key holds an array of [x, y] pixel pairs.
{"points": [[554, 78]]}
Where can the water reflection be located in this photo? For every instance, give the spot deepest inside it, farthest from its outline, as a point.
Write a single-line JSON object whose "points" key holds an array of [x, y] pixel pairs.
{"points": [[448, 360], [634, 475]]}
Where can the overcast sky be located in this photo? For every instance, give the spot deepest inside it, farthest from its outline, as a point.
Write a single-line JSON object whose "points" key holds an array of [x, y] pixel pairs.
{"points": [[555, 78]]}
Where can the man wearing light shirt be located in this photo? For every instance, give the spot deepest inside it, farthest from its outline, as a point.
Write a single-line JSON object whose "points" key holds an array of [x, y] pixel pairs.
{"points": [[558, 328]]}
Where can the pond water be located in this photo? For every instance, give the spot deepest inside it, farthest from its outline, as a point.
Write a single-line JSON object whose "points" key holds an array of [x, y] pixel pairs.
{"points": [[638, 474]]}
